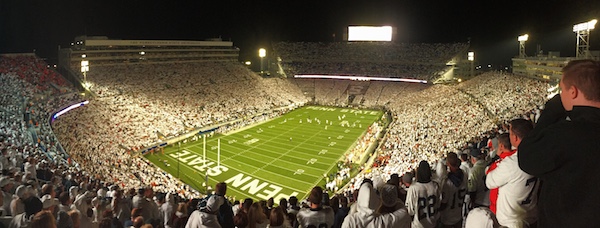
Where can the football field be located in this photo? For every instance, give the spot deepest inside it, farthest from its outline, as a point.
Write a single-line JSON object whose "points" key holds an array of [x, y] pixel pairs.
{"points": [[285, 156]]}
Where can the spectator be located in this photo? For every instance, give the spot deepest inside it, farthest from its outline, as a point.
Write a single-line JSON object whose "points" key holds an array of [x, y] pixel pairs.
{"points": [[454, 189], [257, 217], [316, 214], [225, 214], [504, 150], [517, 190], [478, 192], [43, 219], [206, 215], [181, 217], [424, 189], [342, 212], [33, 205], [366, 208], [481, 217], [563, 152], [278, 218]]}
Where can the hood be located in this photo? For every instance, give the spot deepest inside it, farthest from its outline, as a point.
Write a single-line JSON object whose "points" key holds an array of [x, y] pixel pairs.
{"points": [[367, 201]]}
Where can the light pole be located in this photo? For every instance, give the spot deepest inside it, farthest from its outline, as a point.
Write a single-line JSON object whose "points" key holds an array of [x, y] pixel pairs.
{"points": [[262, 53], [522, 39], [583, 37], [471, 58], [85, 67]]}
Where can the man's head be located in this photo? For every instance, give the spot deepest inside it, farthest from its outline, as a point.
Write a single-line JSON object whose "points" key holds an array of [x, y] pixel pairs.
{"points": [[316, 196], [221, 189], [580, 84], [503, 143], [452, 161], [519, 128]]}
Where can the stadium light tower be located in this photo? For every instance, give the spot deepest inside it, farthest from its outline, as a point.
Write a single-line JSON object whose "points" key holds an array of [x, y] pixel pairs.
{"points": [[85, 67], [262, 53], [522, 39], [583, 37], [471, 58]]}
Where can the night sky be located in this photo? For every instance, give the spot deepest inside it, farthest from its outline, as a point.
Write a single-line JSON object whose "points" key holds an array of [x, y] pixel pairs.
{"points": [[491, 26]]}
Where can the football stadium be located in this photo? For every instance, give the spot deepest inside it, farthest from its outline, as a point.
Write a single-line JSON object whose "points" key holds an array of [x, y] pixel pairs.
{"points": [[183, 133]]}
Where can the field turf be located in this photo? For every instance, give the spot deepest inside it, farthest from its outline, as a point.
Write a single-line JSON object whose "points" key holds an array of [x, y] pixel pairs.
{"points": [[285, 156]]}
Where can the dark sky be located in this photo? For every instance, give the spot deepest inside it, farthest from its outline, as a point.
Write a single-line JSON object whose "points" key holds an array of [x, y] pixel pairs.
{"points": [[492, 26]]}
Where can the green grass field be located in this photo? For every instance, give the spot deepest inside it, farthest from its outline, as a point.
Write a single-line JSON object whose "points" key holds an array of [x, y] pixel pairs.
{"points": [[285, 156]]}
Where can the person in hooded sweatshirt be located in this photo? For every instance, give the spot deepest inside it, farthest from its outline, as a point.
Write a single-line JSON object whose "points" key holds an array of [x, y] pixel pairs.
{"points": [[367, 203], [206, 215], [453, 193], [392, 212], [423, 192]]}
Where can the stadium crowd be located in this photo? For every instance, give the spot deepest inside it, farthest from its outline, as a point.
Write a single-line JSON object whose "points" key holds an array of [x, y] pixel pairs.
{"points": [[99, 182], [405, 60]]}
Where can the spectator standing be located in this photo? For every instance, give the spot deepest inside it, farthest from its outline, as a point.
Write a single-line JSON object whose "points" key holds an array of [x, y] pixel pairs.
{"points": [[423, 198], [316, 214], [517, 190], [564, 152]]}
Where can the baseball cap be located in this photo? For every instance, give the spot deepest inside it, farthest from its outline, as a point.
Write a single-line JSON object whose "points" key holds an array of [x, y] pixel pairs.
{"points": [[48, 201], [475, 152], [389, 195]]}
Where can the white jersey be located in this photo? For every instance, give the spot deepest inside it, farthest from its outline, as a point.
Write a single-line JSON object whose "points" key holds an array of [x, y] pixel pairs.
{"points": [[477, 184], [454, 197], [517, 193], [423, 202]]}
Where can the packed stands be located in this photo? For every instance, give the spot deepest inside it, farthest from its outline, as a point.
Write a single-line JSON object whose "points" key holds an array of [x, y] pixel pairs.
{"points": [[137, 103], [405, 60]]}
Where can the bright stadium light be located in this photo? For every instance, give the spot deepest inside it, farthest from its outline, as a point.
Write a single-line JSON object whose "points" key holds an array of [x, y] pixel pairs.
{"points": [[522, 40], [523, 37], [583, 37], [471, 58], [262, 53], [585, 26], [248, 63]]}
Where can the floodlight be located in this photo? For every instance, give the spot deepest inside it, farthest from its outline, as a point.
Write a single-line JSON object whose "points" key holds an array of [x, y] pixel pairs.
{"points": [[585, 26], [83, 56], [262, 52], [142, 52], [248, 63], [523, 37], [583, 37], [471, 56]]}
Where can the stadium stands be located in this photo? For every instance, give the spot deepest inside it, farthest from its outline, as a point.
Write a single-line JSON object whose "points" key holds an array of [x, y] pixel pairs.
{"points": [[417, 61], [135, 104]]}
